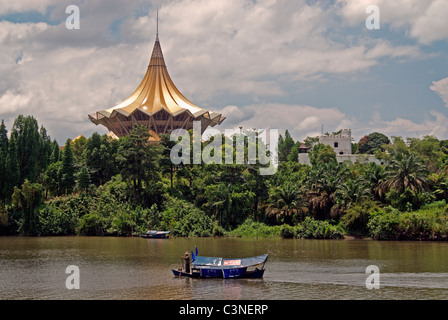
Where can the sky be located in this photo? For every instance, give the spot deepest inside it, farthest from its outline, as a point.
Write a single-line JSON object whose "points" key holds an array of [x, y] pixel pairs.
{"points": [[297, 65]]}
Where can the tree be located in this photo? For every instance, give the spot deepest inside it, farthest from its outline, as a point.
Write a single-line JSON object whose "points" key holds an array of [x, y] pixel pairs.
{"points": [[53, 178], [352, 191], [406, 172], [100, 154], [78, 147], [429, 150], [68, 168], [28, 199], [138, 159], [374, 176], [322, 183], [372, 143], [45, 150], [25, 133], [12, 173], [287, 203], [322, 153], [3, 156], [83, 179], [54, 157], [165, 162], [285, 146]]}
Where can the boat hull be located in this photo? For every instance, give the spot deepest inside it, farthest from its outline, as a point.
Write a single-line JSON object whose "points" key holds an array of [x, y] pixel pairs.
{"points": [[156, 235], [225, 273]]}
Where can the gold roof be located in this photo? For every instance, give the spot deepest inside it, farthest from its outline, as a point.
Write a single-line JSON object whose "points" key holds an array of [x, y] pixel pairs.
{"points": [[157, 92]]}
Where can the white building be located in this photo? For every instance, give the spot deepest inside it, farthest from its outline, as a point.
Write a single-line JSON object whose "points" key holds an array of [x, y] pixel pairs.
{"points": [[341, 143], [342, 146]]}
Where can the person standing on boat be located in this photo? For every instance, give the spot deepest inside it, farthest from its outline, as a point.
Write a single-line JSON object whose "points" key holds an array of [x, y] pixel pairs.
{"points": [[187, 262]]}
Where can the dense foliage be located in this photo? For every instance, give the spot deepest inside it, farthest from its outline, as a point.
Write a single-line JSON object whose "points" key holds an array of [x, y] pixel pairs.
{"points": [[98, 186]]}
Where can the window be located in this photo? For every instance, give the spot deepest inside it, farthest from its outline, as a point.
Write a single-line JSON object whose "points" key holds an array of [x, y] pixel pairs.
{"points": [[336, 144], [341, 153]]}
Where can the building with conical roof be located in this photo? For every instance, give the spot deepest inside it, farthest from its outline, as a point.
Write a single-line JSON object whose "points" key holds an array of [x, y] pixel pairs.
{"points": [[156, 104]]}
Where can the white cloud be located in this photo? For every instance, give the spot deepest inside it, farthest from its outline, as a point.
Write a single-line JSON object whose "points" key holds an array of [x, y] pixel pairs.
{"points": [[301, 121], [441, 87], [11, 101], [435, 125], [432, 25], [423, 20]]}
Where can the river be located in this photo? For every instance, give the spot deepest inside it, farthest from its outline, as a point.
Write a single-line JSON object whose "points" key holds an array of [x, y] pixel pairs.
{"points": [[139, 269]]}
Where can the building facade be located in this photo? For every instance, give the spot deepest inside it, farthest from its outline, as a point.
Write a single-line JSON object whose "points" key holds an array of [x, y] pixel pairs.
{"points": [[341, 143], [342, 146]]}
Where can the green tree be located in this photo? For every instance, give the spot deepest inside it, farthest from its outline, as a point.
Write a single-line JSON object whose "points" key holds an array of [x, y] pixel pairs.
{"points": [[138, 159], [78, 147], [45, 150], [55, 151], [322, 181], [100, 153], [25, 133], [285, 146], [12, 173], [406, 171], [83, 179], [3, 155], [68, 168], [287, 203], [322, 153], [350, 192], [429, 150], [372, 143], [28, 199], [53, 178]]}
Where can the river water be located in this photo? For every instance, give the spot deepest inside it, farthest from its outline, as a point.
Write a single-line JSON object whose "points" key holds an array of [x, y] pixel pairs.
{"points": [[140, 269]]}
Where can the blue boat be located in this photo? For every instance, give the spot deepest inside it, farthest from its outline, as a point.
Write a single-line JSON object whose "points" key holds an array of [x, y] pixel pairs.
{"points": [[151, 234], [210, 267]]}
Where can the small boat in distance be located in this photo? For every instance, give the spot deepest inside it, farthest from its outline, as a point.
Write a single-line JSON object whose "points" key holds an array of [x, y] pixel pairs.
{"points": [[151, 234], [209, 267]]}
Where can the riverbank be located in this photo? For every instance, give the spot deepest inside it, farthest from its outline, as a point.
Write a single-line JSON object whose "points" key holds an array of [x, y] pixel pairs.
{"points": [[73, 216]]}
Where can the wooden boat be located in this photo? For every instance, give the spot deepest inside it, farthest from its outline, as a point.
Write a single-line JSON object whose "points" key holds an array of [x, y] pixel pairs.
{"points": [[151, 234], [209, 267]]}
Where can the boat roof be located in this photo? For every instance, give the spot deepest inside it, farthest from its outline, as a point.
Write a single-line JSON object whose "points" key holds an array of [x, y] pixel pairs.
{"points": [[224, 262]]}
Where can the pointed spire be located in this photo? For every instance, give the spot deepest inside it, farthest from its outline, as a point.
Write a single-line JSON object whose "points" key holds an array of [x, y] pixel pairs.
{"points": [[157, 59]]}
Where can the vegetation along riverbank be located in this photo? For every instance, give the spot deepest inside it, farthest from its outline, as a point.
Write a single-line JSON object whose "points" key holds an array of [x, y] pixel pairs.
{"points": [[99, 186]]}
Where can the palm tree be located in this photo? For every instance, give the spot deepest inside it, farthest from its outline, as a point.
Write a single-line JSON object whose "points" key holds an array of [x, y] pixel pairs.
{"points": [[404, 172], [374, 176], [286, 202], [348, 193], [323, 181]]}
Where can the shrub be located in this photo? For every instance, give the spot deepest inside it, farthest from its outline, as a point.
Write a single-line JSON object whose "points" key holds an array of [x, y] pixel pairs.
{"points": [[316, 229], [183, 219], [311, 228], [384, 224], [428, 223], [357, 217], [53, 221], [252, 229]]}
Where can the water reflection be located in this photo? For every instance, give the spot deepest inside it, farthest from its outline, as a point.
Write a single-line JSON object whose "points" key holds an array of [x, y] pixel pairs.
{"points": [[135, 268]]}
